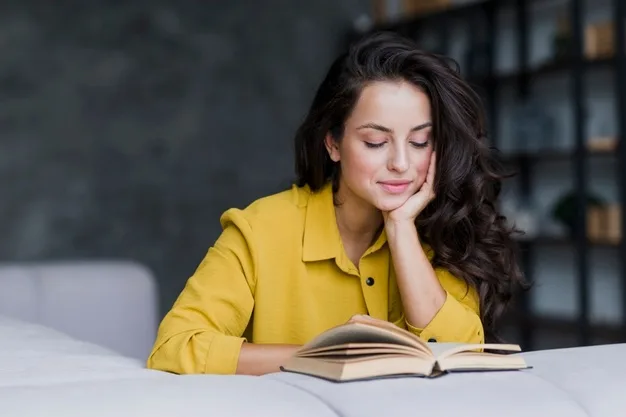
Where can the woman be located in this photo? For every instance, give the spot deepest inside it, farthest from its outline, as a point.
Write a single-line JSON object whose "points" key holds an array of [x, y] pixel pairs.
{"points": [[393, 216]]}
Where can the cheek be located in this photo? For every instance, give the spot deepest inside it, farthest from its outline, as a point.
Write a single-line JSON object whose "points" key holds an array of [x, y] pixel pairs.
{"points": [[422, 164], [359, 166]]}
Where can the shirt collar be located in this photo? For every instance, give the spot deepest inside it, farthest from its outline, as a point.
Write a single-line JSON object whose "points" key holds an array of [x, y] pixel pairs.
{"points": [[321, 235]]}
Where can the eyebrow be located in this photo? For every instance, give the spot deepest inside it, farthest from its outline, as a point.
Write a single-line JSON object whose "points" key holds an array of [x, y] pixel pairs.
{"points": [[376, 126]]}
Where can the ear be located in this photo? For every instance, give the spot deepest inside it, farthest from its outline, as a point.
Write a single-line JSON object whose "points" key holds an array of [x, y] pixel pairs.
{"points": [[332, 148]]}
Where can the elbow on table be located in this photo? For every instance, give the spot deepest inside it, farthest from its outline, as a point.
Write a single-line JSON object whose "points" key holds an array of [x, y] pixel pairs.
{"points": [[196, 352]]}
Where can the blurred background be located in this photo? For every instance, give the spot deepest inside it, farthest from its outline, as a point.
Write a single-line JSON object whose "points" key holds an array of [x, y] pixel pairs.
{"points": [[127, 128]]}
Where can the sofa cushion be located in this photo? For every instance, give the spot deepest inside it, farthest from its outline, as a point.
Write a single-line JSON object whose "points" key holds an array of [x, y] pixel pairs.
{"points": [[595, 376], [167, 396], [32, 354], [492, 394]]}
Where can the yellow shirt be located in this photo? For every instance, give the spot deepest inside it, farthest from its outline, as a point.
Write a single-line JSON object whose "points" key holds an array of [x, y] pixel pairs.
{"points": [[279, 274]]}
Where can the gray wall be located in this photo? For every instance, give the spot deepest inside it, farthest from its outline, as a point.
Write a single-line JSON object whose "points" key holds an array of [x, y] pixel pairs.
{"points": [[127, 129]]}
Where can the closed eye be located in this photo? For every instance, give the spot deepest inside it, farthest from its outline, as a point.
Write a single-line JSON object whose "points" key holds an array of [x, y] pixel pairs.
{"points": [[374, 145], [420, 144]]}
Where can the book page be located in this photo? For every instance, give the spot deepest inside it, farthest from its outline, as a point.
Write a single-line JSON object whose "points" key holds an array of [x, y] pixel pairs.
{"points": [[360, 346], [475, 361], [360, 333], [450, 349], [364, 349], [439, 349], [367, 320]]}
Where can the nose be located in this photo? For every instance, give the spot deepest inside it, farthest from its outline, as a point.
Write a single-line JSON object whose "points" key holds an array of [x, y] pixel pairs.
{"points": [[399, 159]]}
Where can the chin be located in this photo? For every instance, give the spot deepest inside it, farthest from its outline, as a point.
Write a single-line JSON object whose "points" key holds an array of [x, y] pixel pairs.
{"points": [[390, 203]]}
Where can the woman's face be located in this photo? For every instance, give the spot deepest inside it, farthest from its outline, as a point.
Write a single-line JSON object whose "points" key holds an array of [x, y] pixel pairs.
{"points": [[387, 145]]}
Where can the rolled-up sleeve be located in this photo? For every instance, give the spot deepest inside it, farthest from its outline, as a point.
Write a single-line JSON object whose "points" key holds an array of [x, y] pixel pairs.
{"points": [[203, 331], [458, 318]]}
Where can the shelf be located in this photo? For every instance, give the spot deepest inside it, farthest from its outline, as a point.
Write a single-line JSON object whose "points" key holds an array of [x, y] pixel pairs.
{"points": [[560, 326], [410, 22], [551, 68], [551, 155], [564, 240]]}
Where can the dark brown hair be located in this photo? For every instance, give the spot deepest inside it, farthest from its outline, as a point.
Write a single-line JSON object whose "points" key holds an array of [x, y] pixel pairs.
{"points": [[462, 225]]}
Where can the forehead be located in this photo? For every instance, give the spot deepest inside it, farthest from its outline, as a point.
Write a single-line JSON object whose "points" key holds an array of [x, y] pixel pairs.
{"points": [[394, 102]]}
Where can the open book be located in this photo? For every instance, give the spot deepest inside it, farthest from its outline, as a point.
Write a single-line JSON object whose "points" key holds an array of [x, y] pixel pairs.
{"points": [[372, 349]]}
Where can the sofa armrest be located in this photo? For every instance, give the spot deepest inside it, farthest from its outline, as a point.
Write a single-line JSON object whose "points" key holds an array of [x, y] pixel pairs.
{"points": [[110, 303]]}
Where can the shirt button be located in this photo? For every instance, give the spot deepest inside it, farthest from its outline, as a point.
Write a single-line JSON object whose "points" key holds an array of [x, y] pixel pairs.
{"points": [[369, 281]]}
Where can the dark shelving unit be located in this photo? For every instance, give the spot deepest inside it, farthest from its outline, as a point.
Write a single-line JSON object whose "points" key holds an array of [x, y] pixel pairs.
{"points": [[619, 14], [575, 66], [513, 159], [558, 240], [555, 67], [407, 25]]}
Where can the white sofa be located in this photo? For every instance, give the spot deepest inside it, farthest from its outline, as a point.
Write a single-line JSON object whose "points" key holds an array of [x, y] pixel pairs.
{"points": [[80, 371], [111, 303]]}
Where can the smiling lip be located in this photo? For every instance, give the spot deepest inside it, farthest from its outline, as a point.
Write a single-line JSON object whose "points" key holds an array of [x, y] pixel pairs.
{"points": [[395, 186]]}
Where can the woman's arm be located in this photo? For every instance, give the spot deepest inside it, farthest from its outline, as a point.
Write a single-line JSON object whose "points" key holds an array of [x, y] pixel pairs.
{"points": [[421, 292], [203, 331], [437, 305], [260, 359]]}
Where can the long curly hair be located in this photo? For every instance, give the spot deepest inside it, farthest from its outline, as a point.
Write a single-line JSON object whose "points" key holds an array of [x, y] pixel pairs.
{"points": [[462, 224]]}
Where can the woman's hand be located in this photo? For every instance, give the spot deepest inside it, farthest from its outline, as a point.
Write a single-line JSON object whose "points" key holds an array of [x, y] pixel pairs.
{"points": [[361, 318], [409, 211], [367, 319]]}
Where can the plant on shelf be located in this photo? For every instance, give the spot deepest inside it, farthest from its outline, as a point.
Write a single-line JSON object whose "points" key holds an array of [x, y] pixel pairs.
{"points": [[565, 209]]}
